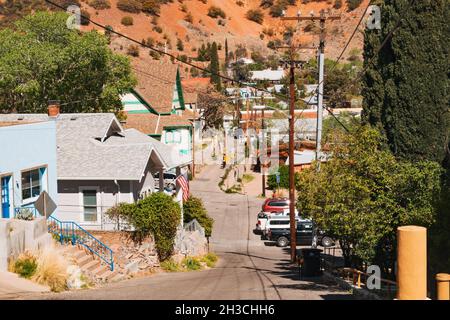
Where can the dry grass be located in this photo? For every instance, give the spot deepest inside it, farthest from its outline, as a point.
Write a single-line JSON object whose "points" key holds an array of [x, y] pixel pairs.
{"points": [[51, 270]]}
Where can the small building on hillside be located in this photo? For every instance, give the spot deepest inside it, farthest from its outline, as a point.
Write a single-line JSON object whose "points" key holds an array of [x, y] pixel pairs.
{"points": [[272, 76], [28, 163]]}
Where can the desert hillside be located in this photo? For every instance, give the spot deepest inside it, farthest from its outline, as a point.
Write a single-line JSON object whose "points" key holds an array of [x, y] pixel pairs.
{"points": [[181, 27]]}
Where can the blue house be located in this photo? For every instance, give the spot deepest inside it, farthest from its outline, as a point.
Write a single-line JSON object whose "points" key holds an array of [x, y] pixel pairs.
{"points": [[27, 163]]}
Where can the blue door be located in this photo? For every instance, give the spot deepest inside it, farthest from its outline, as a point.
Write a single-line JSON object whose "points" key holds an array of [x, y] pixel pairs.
{"points": [[5, 197]]}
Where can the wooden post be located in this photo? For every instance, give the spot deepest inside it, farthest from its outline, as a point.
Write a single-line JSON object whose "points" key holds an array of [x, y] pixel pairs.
{"points": [[412, 263], [443, 286]]}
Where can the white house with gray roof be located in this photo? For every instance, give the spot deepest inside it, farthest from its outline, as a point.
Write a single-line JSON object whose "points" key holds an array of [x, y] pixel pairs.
{"points": [[99, 164]]}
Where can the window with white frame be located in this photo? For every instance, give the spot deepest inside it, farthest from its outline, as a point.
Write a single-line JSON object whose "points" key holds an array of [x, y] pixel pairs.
{"points": [[90, 205], [32, 183]]}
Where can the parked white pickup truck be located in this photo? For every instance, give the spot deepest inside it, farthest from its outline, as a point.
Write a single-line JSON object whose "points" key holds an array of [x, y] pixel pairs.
{"points": [[267, 220]]}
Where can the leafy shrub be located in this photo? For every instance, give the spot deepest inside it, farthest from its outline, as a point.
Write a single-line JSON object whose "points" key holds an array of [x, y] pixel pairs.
{"points": [[100, 4], [25, 265], [353, 4], [85, 16], [284, 178], [127, 21], [151, 7], [210, 259], [157, 29], [215, 12], [255, 15], [160, 215], [276, 10], [193, 208], [337, 4], [132, 6], [133, 50], [180, 45], [170, 266], [51, 271], [156, 214], [191, 263]]}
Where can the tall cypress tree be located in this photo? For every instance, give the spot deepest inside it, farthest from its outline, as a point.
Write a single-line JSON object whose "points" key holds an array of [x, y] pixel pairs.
{"points": [[215, 67], [226, 53], [405, 89]]}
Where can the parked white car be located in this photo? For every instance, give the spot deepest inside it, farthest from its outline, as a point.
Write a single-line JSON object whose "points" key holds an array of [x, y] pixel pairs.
{"points": [[278, 222], [264, 216]]}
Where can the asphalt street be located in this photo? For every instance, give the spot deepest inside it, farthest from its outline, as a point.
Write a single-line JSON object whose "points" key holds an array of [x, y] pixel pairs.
{"points": [[248, 268]]}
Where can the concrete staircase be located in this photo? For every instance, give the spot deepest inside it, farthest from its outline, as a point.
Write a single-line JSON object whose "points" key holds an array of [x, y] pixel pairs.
{"points": [[92, 266]]}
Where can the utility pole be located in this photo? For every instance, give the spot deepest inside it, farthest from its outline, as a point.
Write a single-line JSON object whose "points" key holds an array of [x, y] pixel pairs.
{"points": [[322, 18], [292, 64], [264, 152], [193, 141]]}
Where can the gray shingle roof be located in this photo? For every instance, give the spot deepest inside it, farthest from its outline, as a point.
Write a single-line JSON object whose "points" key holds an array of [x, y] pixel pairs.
{"points": [[95, 146]]}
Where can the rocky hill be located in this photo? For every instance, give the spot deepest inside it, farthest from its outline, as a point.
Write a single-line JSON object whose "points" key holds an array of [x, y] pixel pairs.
{"points": [[181, 27]]}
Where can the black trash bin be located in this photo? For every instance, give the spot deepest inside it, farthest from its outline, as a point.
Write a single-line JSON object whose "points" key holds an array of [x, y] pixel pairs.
{"points": [[311, 263]]}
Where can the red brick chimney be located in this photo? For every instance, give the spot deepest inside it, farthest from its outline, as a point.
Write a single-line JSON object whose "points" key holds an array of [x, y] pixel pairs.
{"points": [[53, 108]]}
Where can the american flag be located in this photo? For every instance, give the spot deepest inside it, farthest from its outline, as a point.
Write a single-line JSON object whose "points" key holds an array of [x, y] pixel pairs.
{"points": [[183, 182]]}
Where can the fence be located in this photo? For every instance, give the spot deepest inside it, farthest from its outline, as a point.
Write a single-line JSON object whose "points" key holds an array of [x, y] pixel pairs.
{"points": [[334, 264]]}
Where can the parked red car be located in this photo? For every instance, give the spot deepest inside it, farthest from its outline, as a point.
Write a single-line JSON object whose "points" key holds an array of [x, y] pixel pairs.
{"points": [[275, 205]]}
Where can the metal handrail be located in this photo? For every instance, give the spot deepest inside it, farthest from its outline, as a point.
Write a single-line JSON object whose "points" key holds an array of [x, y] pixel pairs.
{"points": [[357, 275], [69, 230]]}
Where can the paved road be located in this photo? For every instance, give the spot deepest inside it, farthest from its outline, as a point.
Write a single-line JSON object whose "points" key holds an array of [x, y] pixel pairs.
{"points": [[247, 269]]}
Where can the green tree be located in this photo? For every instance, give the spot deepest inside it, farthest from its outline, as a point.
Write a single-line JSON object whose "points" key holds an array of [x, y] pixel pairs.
{"points": [[406, 88], [214, 67], [364, 193], [193, 208], [43, 60], [284, 178]]}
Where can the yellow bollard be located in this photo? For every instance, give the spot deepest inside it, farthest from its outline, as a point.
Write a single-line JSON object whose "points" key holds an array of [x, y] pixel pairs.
{"points": [[412, 263], [443, 286]]}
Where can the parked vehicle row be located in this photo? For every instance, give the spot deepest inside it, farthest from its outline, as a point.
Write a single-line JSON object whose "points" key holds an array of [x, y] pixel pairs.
{"points": [[273, 222]]}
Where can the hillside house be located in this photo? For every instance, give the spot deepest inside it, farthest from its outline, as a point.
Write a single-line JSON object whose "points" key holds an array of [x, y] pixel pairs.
{"points": [[28, 163], [100, 164], [156, 106]]}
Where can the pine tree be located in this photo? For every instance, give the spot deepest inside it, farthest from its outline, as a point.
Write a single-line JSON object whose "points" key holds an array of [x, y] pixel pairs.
{"points": [[215, 67], [405, 89]]}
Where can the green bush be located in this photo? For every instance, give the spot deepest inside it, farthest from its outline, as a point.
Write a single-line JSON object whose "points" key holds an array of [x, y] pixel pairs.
{"points": [[337, 4], [127, 21], [132, 6], [159, 215], [156, 214], [210, 259], [255, 15], [191, 263], [194, 209], [151, 7], [133, 50], [284, 178], [170, 266], [25, 266], [100, 4], [215, 12], [353, 4]]}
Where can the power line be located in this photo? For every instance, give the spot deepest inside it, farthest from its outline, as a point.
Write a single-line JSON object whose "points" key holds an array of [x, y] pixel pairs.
{"points": [[172, 56]]}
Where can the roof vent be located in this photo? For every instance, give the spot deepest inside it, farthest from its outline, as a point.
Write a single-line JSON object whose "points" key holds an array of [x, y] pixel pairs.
{"points": [[73, 118], [20, 118]]}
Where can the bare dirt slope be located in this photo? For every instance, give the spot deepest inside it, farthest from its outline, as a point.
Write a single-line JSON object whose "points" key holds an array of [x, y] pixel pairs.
{"points": [[237, 29]]}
